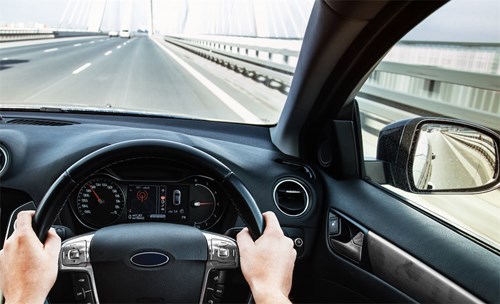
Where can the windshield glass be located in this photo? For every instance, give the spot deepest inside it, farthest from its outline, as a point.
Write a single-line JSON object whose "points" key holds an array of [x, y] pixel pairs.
{"points": [[224, 60]]}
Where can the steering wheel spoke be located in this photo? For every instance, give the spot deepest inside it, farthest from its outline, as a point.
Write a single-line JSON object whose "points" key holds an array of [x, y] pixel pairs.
{"points": [[76, 257]]}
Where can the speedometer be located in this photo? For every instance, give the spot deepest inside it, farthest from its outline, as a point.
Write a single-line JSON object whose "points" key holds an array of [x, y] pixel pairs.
{"points": [[100, 202]]}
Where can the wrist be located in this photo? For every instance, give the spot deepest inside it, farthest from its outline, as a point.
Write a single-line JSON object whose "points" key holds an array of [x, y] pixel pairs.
{"points": [[269, 296], [15, 299]]}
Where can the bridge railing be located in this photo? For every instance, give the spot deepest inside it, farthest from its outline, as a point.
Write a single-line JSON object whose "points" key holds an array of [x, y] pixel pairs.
{"points": [[272, 66], [275, 67], [10, 34]]}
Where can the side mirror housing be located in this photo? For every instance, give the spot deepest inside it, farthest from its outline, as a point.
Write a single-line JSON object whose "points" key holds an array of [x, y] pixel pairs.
{"points": [[439, 155]]}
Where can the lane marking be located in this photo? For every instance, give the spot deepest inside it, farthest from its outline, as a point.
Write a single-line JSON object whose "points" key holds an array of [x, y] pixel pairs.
{"points": [[78, 44], [235, 106], [107, 53], [92, 42], [118, 47], [5, 58], [50, 50], [101, 40], [124, 43], [83, 67]]}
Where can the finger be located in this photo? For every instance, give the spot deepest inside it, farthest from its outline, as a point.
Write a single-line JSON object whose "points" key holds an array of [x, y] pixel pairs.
{"points": [[23, 221], [53, 243], [272, 223], [244, 239]]}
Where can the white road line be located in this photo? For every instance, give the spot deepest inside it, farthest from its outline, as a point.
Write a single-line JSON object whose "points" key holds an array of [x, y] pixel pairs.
{"points": [[50, 50], [101, 40], [118, 47], [78, 44], [235, 106], [124, 43], [107, 53], [83, 67], [5, 58], [92, 42]]}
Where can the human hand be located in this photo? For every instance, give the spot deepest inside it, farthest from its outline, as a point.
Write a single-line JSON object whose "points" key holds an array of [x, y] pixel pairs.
{"points": [[267, 264], [28, 268]]}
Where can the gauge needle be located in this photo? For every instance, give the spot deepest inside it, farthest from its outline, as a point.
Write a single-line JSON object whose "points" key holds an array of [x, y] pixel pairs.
{"points": [[198, 204], [99, 200]]}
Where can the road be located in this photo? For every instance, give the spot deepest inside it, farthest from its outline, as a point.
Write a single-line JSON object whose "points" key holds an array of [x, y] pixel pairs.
{"points": [[456, 165], [137, 74]]}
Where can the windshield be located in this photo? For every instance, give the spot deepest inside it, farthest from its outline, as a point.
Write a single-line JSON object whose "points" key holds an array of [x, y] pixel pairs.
{"points": [[226, 60]]}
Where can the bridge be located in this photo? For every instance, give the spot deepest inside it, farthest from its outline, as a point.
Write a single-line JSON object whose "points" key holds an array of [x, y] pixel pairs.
{"points": [[240, 67]]}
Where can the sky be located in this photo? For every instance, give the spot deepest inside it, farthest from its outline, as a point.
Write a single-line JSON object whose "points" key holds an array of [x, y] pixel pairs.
{"points": [[459, 20]]}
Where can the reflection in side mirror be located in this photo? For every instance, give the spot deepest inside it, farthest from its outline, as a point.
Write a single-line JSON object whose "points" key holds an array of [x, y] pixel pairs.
{"points": [[452, 157], [437, 155]]}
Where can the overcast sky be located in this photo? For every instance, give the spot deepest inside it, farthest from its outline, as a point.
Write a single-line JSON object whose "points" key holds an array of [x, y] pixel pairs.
{"points": [[462, 20], [459, 20]]}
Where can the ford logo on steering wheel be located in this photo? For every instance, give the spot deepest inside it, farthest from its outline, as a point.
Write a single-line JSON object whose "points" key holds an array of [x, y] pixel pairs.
{"points": [[149, 259]]}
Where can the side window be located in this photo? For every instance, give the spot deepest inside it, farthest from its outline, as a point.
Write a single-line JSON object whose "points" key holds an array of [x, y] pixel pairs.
{"points": [[444, 67]]}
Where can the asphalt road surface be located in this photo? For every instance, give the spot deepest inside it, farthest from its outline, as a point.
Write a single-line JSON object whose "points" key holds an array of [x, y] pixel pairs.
{"points": [[139, 74], [456, 165]]}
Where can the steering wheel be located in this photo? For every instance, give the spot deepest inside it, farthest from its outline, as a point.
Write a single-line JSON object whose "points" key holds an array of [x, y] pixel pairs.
{"points": [[147, 262]]}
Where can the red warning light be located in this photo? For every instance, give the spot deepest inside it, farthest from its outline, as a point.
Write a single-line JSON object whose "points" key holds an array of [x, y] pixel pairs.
{"points": [[142, 196]]}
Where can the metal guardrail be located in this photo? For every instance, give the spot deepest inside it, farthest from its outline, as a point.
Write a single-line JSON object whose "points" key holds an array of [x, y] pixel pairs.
{"points": [[25, 34], [272, 67], [9, 34], [484, 146], [468, 79], [428, 105], [263, 64]]}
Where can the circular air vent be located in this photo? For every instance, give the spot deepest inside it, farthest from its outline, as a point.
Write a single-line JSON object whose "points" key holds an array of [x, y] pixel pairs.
{"points": [[291, 197], [4, 160]]}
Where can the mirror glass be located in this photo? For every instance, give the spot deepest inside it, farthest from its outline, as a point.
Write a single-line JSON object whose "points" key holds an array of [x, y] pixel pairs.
{"points": [[453, 157]]}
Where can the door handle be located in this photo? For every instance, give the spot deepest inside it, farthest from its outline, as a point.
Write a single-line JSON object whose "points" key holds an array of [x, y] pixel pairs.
{"points": [[345, 238]]}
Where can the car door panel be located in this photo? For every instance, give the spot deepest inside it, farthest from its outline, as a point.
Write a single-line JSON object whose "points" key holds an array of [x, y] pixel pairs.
{"points": [[412, 276], [417, 237]]}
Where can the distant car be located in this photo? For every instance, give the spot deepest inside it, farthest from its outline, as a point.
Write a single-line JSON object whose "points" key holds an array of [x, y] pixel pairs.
{"points": [[124, 34], [113, 34]]}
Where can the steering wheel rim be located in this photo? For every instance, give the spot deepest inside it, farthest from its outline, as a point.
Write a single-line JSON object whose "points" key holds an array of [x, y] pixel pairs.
{"points": [[54, 200]]}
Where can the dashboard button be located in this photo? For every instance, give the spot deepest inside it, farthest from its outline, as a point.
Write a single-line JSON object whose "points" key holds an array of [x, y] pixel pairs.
{"points": [[82, 280], [74, 253], [219, 290], [79, 294]]}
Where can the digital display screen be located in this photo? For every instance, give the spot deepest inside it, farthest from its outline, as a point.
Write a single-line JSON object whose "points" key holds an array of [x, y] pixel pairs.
{"points": [[142, 202], [157, 203]]}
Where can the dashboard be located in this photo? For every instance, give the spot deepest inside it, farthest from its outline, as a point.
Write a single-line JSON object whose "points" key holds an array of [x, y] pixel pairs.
{"points": [[148, 190], [40, 147]]}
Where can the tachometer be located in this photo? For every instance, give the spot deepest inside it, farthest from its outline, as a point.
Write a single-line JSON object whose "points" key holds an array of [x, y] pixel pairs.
{"points": [[100, 202], [205, 207]]}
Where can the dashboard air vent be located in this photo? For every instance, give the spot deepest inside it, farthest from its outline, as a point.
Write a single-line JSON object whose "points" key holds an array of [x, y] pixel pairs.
{"points": [[291, 197], [4, 160], [39, 122]]}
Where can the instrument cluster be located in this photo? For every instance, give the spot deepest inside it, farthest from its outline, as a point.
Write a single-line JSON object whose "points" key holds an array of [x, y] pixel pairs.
{"points": [[104, 199]]}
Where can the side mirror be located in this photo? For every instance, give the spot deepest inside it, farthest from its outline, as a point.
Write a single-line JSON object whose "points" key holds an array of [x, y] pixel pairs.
{"points": [[438, 155]]}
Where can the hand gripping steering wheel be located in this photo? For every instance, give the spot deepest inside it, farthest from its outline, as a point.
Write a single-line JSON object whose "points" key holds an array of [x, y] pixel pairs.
{"points": [[146, 262]]}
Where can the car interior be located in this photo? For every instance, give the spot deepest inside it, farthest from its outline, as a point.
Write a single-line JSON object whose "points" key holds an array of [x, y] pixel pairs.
{"points": [[184, 188]]}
